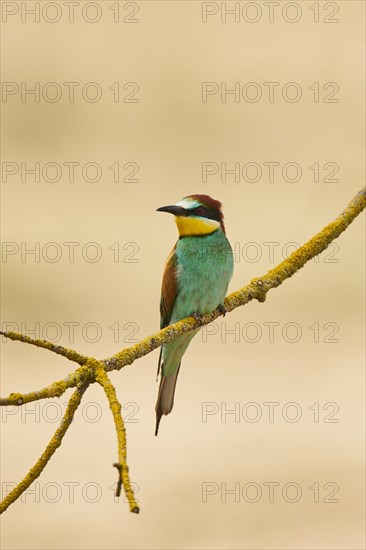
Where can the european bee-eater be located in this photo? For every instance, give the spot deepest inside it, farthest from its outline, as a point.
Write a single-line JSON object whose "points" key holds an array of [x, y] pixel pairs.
{"points": [[196, 277]]}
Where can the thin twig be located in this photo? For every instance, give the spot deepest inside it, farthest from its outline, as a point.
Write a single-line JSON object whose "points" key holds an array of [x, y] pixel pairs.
{"points": [[56, 389], [103, 379], [51, 448], [60, 350]]}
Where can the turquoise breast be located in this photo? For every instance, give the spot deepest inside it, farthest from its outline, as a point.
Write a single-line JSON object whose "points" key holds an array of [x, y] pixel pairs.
{"points": [[204, 270]]}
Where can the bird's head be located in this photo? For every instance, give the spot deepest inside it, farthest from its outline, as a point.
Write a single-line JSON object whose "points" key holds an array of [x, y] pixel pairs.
{"points": [[196, 215]]}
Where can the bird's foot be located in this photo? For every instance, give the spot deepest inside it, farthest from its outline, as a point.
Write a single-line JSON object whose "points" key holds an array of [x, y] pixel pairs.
{"points": [[197, 317], [222, 309]]}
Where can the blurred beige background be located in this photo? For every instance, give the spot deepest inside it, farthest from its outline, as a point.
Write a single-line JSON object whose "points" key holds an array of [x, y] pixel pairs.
{"points": [[313, 360]]}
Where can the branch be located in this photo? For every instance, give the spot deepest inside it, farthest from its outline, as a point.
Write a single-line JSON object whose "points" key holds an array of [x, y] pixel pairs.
{"points": [[91, 370], [103, 379], [51, 448], [82, 375], [59, 350]]}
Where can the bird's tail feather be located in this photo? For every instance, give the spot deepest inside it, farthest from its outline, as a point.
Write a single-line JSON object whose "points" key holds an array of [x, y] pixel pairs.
{"points": [[165, 400]]}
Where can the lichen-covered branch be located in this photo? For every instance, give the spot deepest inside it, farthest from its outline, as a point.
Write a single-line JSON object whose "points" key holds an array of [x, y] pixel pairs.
{"points": [[56, 389], [59, 350], [51, 448], [103, 379], [91, 370]]}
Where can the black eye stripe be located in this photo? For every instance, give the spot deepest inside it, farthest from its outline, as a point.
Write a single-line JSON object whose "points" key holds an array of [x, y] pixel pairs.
{"points": [[209, 213]]}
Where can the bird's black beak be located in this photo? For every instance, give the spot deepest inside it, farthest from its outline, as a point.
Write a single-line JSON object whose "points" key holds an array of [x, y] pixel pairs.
{"points": [[173, 209]]}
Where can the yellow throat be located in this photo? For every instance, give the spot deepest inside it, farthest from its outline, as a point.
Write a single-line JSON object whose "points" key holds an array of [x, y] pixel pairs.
{"points": [[189, 225]]}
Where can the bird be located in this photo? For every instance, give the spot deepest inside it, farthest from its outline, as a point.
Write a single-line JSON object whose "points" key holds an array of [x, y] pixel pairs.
{"points": [[195, 281]]}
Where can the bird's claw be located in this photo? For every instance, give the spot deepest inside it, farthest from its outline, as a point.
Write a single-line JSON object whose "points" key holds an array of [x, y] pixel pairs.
{"points": [[222, 309], [197, 317]]}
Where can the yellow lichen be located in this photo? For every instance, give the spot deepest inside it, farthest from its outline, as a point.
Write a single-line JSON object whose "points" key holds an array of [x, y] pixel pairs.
{"points": [[103, 379], [52, 446]]}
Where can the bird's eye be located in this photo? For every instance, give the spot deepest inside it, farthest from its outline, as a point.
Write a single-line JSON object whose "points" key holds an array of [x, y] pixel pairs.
{"points": [[199, 210]]}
